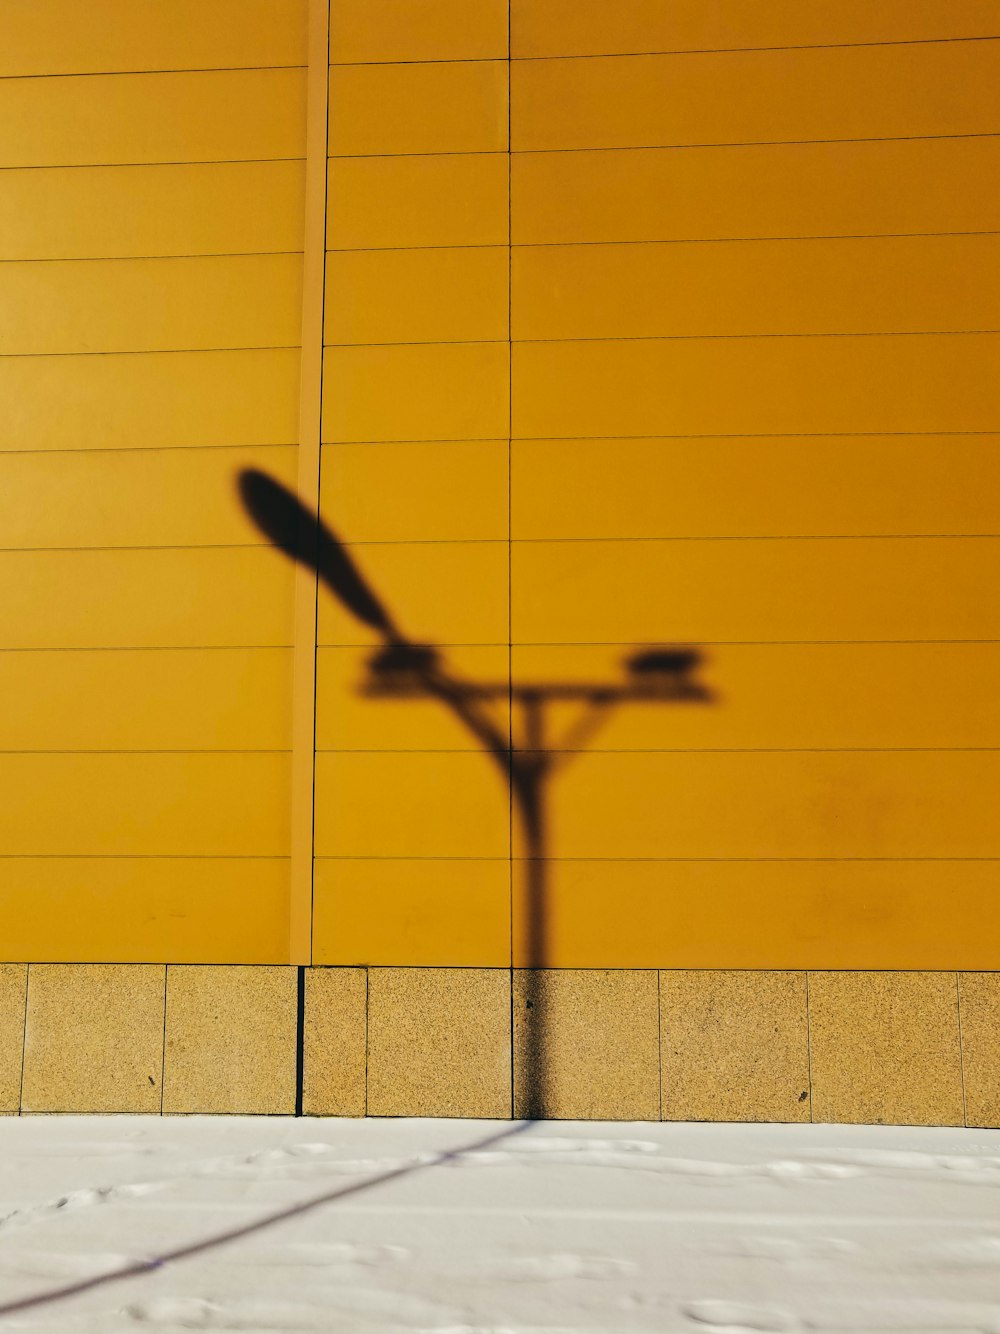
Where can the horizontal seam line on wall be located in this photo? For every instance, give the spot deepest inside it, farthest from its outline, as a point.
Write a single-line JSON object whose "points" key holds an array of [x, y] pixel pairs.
{"points": [[505, 56], [744, 143], [141, 73], [552, 541], [142, 750], [649, 241], [150, 449], [632, 338], [519, 645], [628, 643], [651, 860], [431, 152], [147, 648], [661, 435], [151, 351], [673, 51], [166, 162], [146, 856], [148, 259], [262, 545], [659, 148], [581, 750], [744, 537]]}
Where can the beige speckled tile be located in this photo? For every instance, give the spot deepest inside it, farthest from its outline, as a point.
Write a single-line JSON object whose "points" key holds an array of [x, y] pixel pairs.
{"points": [[980, 1010], [586, 1044], [230, 1038], [885, 1048], [333, 1079], [439, 1042], [13, 984], [93, 1038], [735, 1045]]}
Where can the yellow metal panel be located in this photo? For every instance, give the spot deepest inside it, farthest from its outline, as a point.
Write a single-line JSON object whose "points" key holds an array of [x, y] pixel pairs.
{"points": [[370, 30], [444, 391], [594, 27], [132, 498], [157, 399], [764, 486], [142, 699], [417, 296], [929, 185], [883, 285], [411, 805], [65, 37], [197, 208], [206, 116], [853, 92], [454, 107], [150, 305], [443, 490], [791, 589], [120, 805], [309, 455], [770, 696], [757, 386], [765, 914], [418, 913], [349, 718], [145, 909], [439, 592], [419, 200], [146, 598], [698, 804]]}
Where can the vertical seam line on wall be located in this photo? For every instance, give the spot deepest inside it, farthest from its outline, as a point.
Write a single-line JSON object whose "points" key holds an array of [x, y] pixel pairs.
{"points": [[163, 1051], [809, 1065], [310, 434], [961, 1046], [24, 1040], [510, 623]]}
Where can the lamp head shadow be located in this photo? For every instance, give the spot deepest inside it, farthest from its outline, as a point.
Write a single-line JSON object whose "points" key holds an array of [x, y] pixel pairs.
{"points": [[304, 537]]}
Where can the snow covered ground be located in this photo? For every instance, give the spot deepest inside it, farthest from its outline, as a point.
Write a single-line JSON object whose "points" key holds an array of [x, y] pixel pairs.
{"points": [[557, 1227]]}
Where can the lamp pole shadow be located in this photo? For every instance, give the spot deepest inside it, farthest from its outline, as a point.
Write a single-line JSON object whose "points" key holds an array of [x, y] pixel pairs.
{"points": [[527, 755]]}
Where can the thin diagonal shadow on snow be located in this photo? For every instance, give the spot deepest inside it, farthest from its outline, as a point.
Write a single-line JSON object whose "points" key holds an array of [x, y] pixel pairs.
{"points": [[205, 1244]]}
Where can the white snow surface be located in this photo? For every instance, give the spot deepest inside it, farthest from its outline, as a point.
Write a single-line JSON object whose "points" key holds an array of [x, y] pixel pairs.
{"points": [[557, 1227]]}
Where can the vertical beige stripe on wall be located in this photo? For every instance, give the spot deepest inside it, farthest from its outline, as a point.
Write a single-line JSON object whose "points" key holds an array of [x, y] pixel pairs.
{"points": [[310, 397]]}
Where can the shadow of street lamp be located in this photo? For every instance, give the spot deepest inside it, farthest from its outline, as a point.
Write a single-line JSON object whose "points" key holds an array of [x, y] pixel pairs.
{"points": [[528, 756]]}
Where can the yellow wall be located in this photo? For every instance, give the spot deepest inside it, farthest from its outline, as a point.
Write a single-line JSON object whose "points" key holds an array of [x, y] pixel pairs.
{"points": [[643, 324], [151, 233]]}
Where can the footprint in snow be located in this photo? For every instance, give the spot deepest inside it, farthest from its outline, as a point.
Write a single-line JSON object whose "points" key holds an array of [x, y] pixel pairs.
{"points": [[740, 1318]]}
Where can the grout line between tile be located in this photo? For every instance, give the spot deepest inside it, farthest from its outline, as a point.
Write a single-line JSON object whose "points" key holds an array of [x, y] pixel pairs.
{"points": [[163, 1050], [659, 1036], [809, 1076], [24, 1040], [961, 1046], [364, 1109]]}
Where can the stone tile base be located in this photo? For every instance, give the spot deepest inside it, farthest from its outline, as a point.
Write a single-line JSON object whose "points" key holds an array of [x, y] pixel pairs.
{"points": [[904, 1048]]}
